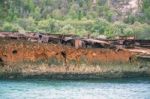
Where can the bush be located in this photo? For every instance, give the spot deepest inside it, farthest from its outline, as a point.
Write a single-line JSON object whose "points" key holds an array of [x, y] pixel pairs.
{"points": [[27, 24], [99, 26], [118, 28], [130, 19], [1, 29], [81, 32], [128, 31], [48, 25], [141, 31], [57, 14], [68, 29], [147, 14], [9, 27], [144, 33], [54, 26], [43, 25], [146, 10]]}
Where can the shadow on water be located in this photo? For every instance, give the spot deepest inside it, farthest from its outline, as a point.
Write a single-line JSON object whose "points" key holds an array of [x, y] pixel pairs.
{"points": [[119, 80]]}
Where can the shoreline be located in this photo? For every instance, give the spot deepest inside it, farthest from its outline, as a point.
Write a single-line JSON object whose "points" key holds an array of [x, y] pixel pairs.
{"points": [[69, 76]]}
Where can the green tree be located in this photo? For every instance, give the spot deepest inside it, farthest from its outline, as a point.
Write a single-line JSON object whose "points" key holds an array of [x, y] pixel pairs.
{"points": [[146, 10]]}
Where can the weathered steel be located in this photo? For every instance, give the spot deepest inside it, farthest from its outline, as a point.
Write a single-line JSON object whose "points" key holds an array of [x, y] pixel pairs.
{"points": [[77, 42]]}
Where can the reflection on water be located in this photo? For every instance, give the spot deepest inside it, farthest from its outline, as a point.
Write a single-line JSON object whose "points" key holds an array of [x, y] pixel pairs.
{"points": [[69, 89]]}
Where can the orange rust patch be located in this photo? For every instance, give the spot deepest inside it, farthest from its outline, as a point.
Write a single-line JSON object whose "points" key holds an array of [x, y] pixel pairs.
{"points": [[35, 51]]}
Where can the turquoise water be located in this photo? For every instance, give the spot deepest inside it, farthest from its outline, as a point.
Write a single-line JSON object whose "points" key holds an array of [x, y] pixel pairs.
{"points": [[70, 89]]}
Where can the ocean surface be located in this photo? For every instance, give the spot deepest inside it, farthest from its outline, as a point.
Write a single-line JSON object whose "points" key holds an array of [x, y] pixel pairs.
{"points": [[137, 88]]}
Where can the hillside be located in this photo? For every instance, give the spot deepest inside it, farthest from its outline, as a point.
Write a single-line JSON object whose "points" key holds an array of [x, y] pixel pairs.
{"points": [[81, 17]]}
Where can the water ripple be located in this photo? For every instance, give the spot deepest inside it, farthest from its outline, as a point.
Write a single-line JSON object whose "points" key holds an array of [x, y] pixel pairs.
{"points": [[55, 89]]}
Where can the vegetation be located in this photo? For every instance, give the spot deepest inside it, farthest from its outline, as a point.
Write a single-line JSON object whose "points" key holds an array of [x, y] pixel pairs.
{"points": [[42, 69], [81, 17]]}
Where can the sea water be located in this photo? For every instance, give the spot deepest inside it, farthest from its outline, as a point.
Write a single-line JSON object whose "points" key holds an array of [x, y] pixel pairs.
{"points": [[133, 88]]}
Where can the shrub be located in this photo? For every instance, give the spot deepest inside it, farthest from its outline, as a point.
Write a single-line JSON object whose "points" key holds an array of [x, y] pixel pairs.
{"points": [[48, 25], [27, 24], [144, 34], [57, 14], [68, 29], [99, 26], [141, 31], [54, 26], [128, 31], [119, 28], [9, 27], [130, 19]]}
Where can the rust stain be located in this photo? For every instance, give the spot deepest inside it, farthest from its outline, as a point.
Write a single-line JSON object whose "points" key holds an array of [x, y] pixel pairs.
{"points": [[21, 51]]}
